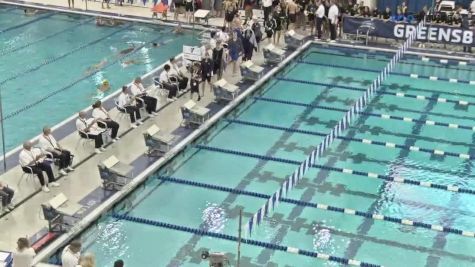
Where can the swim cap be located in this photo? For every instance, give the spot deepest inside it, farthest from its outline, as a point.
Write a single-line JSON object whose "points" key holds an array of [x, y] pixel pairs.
{"points": [[105, 82]]}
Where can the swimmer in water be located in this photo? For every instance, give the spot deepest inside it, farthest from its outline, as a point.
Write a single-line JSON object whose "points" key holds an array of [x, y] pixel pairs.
{"points": [[127, 63], [30, 11], [126, 51], [96, 67], [101, 89], [178, 29]]}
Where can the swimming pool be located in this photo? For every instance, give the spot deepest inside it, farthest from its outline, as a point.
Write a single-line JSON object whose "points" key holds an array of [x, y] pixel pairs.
{"points": [[47, 59], [250, 152]]}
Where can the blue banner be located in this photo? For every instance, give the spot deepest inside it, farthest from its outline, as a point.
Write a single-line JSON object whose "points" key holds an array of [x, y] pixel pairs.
{"points": [[400, 30]]}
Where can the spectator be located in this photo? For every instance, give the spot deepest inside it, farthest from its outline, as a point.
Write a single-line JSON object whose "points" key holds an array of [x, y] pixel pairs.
{"points": [[230, 11], [33, 160], [235, 50], [267, 6], [465, 18], [311, 11], [48, 143], [128, 103], [71, 254], [71, 3], [206, 72], [87, 260], [6, 194], [248, 6], [107, 2], [140, 94], [320, 16], [333, 20], [119, 263], [256, 28], [195, 80], [90, 130], [189, 10], [302, 7], [292, 9], [104, 120], [386, 14], [249, 43], [218, 60], [167, 84], [23, 254]]}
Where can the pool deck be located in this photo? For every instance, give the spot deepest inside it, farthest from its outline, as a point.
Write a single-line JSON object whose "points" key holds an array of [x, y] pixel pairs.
{"points": [[84, 184]]}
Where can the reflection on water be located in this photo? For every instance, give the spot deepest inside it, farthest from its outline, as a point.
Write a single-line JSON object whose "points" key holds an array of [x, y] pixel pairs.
{"points": [[214, 218], [112, 241]]}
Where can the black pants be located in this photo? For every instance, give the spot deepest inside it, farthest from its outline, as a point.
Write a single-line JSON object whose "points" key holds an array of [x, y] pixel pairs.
{"points": [[64, 158], [7, 195], [110, 124], [150, 103], [97, 139], [172, 89], [332, 31], [182, 82], [134, 113], [38, 169], [319, 22], [267, 11]]}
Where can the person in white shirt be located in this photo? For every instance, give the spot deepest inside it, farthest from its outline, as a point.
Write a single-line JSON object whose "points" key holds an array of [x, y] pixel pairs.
{"points": [[333, 20], [267, 5], [174, 70], [89, 129], [71, 254], [320, 14], [48, 143], [140, 94], [24, 254], [104, 120], [126, 102], [33, 160], [167, 83]]}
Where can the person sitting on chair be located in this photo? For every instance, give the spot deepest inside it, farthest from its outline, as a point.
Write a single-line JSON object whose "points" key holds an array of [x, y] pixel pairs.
{"points": [[32, 160], [48, 143], [104, 120], [6, 194], [175, 71], [128, 103], [89, 129], [140, 94], [167, 83]]}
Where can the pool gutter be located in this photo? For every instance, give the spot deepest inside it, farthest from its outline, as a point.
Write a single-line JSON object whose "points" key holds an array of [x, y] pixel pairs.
{"points": [[130, 187]]}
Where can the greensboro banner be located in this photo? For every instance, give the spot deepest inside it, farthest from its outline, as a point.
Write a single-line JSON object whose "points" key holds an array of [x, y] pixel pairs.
{"points": [[392, 30]]}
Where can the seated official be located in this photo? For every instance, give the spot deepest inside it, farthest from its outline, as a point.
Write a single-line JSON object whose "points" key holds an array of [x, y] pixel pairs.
{"points": [[175, 71], [6, 194], [104, 120], [165, 80], [48, 143], [128, 103], [36, 160], [89, 129], [138, 91]]}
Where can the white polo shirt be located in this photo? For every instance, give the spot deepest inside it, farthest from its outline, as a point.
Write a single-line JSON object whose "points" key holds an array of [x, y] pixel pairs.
{"points": [[137, 89], [333, 14], [164, 77], [26, 157], [69, 259], [320, 11], [24, 257], [267, 3], [47, 142], [100, 113], [123, 100], [82, 124]]}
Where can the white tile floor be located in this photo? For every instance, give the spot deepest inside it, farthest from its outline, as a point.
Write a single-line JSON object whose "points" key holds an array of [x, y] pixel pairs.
{"points": [[26, 220]]}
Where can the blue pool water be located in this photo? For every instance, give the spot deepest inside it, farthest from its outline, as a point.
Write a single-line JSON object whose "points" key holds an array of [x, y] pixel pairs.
{"points": [[46, 59], [307, 228]]}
